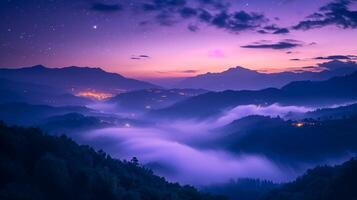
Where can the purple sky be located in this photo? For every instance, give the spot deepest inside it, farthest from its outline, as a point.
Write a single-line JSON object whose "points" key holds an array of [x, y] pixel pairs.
{"points": [[168, 38]]}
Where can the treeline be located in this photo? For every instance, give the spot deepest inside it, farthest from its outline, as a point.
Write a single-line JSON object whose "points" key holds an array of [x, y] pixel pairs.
{"points": [[243, 189], [36, 166], [321, 183]]}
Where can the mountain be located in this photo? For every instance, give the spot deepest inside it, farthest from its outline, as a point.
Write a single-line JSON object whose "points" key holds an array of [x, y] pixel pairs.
{"points": [[304, 141], [240, 78], [14, 91], [70, 122], [75, 79], [333, 91], [34, 165], [321, 183], [145, 100], [27, 114], [329, 113]]}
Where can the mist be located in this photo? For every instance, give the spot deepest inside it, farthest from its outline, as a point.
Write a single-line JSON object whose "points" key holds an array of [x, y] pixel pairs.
{"points": [[172, 148]]}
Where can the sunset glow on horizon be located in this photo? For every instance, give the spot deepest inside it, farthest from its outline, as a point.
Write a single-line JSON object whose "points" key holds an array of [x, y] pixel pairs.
{"points": [[173, 38]]}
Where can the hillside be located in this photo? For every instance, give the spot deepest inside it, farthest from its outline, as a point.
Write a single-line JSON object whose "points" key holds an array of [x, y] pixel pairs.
{"points": [[321, 183], [34, 165]]}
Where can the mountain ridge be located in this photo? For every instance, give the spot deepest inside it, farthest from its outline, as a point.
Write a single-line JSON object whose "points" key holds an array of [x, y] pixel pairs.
{"points": [[75, 78], [240, 78]]}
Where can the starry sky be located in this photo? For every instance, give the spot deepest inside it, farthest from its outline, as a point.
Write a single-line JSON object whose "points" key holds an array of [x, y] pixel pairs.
{"points": [[177, 38]]}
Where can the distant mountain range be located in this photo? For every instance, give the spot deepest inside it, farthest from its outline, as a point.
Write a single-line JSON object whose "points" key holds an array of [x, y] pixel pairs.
{"points": [[15, 91], [315, 93], [146, 100], [75, 79], [240, 78]]}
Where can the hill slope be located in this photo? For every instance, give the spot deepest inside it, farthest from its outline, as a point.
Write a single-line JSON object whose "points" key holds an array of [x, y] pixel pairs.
{"points": [[321, 183], [38, 166]]}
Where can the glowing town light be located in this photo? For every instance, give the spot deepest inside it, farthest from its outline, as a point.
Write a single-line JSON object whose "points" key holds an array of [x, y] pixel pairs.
{"points": [[94, 95], [298, 124]]}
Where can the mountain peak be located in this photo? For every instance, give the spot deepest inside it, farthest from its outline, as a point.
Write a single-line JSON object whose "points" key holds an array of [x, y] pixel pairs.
{"points": [[36, 67], [239, 69]]}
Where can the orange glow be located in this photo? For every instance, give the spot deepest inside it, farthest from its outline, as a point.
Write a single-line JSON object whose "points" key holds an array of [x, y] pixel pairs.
{"points": [[94, 95], [299, 124]]}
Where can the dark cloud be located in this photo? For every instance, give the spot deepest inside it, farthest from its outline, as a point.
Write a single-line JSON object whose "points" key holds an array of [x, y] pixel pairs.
{"points": [[163, 4], [336, 64], [238, 21], [139, 57], [337, 57], [166, 18], [336, 13], [281, 31], [171, 11], [218, 4], [205, 16], [188, 12], [193, 28], [310, 67], [285, 44], [295, 59], [273, 29], [106, 7], [190, 71]]}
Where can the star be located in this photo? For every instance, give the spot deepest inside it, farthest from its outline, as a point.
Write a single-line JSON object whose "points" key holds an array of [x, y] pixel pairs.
{"points": [[95, 27]]}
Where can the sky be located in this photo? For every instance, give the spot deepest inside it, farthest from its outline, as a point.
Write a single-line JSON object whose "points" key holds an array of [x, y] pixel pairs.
{"points": [[176, 38]]}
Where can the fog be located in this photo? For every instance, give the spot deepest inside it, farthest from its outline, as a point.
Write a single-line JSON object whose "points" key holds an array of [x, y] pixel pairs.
{"points": [[172, 148], [273, 110]]}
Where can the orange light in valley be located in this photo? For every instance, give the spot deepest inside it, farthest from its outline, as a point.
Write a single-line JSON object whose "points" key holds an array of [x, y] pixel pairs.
{"points": [[298, 124], [94, 95]]}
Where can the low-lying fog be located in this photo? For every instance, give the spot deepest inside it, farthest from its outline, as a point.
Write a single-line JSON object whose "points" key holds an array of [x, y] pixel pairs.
{"points": [[172, 149]]}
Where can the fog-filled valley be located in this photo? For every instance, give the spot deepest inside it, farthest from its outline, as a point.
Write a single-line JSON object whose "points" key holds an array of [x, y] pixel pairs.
{"points": [[220, 142]]}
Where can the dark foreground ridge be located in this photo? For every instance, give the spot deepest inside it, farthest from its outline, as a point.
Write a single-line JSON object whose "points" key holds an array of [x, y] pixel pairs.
{"points": [[36, 166], [321, 183]]}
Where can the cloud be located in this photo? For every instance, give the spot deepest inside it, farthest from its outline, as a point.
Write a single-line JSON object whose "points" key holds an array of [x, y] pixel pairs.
{"points": [[238, 21], [193, 28], [139, 57], [336, 64], [218, 4], [188, 12], [106, 7], [284, 44], [190, 71], [337, 57], [295, 59], [336, 13], [171, 150], [210, 12], [273, 110], [309, 67], [274, 29]]}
